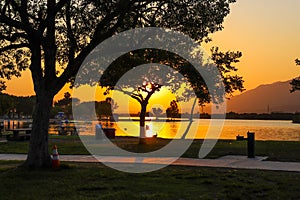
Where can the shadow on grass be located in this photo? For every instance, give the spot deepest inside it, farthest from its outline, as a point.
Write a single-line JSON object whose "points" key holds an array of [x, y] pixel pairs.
{"points": [[95, 181]]}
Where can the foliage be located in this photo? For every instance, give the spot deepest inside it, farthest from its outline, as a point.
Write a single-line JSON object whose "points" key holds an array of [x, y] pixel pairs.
{"points": [[6, 104], [296, 81], [173, 110], [138, 67], [224, 62], [64, 105], [25, 105], [157, 112], [38, 34], [70, 29], [102, 108], [105, 108], [22, 106]]}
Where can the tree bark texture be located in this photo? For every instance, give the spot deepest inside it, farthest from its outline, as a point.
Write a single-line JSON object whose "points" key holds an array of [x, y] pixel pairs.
{"points": [[38, 155]]}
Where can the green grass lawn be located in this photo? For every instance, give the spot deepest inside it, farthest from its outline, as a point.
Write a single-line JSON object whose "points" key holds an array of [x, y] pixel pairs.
{"points": [[275, 150], [96, 181]]}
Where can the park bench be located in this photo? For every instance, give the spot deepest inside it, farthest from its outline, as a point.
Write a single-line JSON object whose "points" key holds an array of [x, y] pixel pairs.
{"points": [[67, 130], [19, 134]]}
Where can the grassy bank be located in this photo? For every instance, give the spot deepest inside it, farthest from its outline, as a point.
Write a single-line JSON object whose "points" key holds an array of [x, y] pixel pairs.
{"points": [[275, 150], [95, 181]]}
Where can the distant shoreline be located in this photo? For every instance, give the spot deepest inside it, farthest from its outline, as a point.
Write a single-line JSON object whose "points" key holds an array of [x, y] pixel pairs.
{"points": [[293, 117], [156, 120]]}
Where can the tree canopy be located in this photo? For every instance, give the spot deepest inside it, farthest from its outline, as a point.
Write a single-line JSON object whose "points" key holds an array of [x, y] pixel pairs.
{"points": [[22, 106], [143, 72], [53, 37], [173, 110], [64, 105], [296, 81], [68, 30]]}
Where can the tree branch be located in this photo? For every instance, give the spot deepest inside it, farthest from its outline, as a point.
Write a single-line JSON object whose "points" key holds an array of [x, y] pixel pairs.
{"points": [[14, 37], [137, 97], [59, 5], [72, 40], [10, 22], [14, 46], [22, 10], [98, 37], [54, 10]]}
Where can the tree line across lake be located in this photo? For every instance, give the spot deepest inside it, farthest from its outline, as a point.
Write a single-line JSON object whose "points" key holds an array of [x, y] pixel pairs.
{"points": [[22, 107], [16, 107]]}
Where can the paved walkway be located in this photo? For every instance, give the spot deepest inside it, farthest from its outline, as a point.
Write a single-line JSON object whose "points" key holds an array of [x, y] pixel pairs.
{"points": [[241, 162]]}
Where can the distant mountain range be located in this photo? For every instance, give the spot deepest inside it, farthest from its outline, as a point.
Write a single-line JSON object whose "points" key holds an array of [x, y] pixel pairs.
{"points": [[275, 97]]}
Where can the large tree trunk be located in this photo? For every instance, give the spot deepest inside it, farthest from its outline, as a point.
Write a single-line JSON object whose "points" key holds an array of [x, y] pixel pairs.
{"points": [[142, 139], [38, 155]]}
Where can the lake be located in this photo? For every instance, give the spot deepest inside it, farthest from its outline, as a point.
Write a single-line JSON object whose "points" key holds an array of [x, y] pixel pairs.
{"points": [[264, 129]]}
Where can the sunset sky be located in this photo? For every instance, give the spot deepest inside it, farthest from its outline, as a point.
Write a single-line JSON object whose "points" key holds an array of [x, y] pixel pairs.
{"points": [[267, 32]]}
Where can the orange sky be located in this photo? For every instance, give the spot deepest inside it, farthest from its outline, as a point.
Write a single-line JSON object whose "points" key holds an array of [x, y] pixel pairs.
{"points": [[266, 31]]}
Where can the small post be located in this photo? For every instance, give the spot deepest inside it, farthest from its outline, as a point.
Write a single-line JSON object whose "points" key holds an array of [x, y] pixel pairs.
{"points": [[8, 124], [1, 127], [251, 144]]}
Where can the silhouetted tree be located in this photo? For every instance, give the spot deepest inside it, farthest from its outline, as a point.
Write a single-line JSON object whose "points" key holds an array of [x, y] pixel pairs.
{"points": [[152, 75], [105, 108], [6, 104], [147, 88], [53, 37], [296, 81], [173, 110], [21, 106], [65, 105], [157, 112], [25, 105], [225, 63]]}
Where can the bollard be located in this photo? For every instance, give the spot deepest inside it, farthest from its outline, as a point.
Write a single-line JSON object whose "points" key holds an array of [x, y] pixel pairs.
{"points": [[251, 144]]}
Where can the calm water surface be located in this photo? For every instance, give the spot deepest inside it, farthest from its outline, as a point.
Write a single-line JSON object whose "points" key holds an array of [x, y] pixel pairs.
{"points": [[264, 129]]}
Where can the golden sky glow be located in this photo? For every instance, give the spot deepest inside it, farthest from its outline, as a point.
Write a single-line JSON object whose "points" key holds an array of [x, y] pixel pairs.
{"points": [[267, 32]]}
